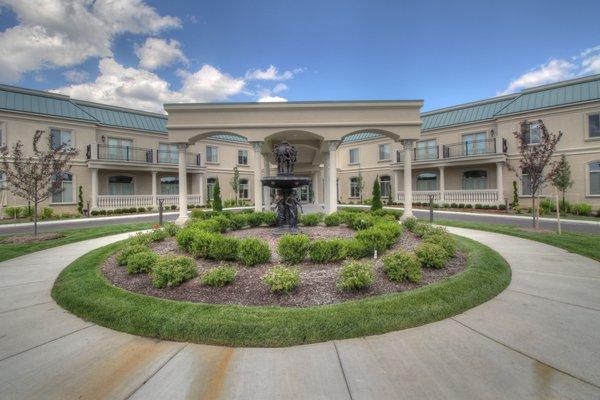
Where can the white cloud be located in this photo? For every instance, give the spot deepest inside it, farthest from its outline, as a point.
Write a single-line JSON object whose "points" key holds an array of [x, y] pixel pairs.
{"points": [[62, 33], [271, 99], [271, 74], [75, 75], [280, 87], [156, 53], [141, 89], [586, 62]]}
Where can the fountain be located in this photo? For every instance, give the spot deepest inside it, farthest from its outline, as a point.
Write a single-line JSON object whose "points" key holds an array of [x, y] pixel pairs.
{"points": [[287, 201]]}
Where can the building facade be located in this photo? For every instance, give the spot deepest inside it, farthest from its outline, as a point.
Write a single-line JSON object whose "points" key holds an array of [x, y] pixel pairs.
{"points": [[130, 158]]}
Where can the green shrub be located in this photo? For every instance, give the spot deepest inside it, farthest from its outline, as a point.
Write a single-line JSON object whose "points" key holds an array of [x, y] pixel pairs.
{"points": [[376, 201], [402, 266], [141, 238], [173, 271], [282, 279], [199, 214], [269, 218], [392, 230], [565, 206], [13, 212], [355, 249], [254, 219], [424, 229], [547, 206], [362, 221], [238, 221], [292, 248], [355, 275], [217, 204], [47, 213], [445, 241], [347, 216], [373, 239], [171, 229], [223, 248], [332, 219], [310, 219], [386, 212], [253, 251], [323, 251], [431, 255], [410, 223], [141, 209], [210, 225], [582, 209], [141, 262], [201, 243], [185, 237], [158, 235], [130, 250], [219, 276]]}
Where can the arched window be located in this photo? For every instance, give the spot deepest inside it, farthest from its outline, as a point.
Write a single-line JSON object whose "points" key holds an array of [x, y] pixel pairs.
{"points": [[120, 185], [475, 180], [169, 185], [243, 189], [355, 187], [386, 186], [594, 171], [427, 181], [210, 187], [64, 189]]}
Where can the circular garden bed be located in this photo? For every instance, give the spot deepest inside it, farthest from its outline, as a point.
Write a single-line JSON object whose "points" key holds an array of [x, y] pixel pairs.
{"points": [[352, 274]]}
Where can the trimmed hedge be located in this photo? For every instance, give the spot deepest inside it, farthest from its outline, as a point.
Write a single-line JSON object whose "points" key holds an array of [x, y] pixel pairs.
{"points": [[431, 255], [402, 266], [253, 251], [355, 275], [282, 279], [173, 271], [293, 248], [219, 276], [324, 251]]}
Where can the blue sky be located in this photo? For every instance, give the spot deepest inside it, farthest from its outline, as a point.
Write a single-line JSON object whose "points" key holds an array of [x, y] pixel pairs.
{"points": [[143, 53]]}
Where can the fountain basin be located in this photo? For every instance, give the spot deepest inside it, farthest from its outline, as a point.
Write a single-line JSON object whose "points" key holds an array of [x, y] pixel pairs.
{"points": [[285, 181]]}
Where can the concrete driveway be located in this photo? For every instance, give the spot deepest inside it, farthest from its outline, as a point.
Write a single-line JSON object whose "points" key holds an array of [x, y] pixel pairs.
{"points": [[539, 339]]}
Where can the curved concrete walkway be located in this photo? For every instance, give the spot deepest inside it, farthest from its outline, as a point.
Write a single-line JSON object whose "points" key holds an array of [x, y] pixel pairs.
{"points": [[539, 339]]}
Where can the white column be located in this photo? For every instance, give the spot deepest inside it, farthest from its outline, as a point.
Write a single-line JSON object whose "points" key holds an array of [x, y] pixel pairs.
{"points": [[315, 186], [332, 176], [396, 187], [266, 189], [442, 183], [154, 200], [408, 146], [325, 182], [257, 146], [183, 216], [500, 182], [201, 188], [94, 172]]}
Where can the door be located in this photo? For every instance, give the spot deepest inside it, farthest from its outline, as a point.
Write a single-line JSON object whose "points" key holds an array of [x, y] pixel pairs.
{"points": [[474, 143]]}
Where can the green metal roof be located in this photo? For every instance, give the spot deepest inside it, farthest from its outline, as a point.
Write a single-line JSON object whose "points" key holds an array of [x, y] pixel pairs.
{"points": [[124, 118], [559, 94], [228, 137], [42, 103], [357, 137]]}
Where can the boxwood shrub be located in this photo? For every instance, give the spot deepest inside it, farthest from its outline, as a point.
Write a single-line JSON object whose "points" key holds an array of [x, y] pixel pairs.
{"points": [[173, 271], [310, 219], [332, 219], [323, 251], [141, 238], [355, 249], [373, 239], [445, 241], [410, 223], [253, 251], [254, 219], [362, 221], [219, 276], [141, 262], [201, 243], [269, 218], [292, 248], [158, 235], [431, 255], [355, 275], [130, 250], [282, 279], [238, 221], [402, 266], [210, 225], [223, 248]]}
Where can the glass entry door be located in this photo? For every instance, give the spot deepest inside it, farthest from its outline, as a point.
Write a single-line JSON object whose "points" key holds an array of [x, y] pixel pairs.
{"points": [[303, 194]]}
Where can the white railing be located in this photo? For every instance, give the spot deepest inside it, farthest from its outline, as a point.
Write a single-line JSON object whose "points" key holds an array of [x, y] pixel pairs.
{"points": [[109, 202], [484, 196]]}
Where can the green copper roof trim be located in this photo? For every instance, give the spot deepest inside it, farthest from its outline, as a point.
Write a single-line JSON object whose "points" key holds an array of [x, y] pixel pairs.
{"points": [[124, 117]]}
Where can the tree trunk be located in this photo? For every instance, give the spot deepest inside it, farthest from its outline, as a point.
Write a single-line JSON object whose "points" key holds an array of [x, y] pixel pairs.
{"points": [[533, 211], [35, 218]]}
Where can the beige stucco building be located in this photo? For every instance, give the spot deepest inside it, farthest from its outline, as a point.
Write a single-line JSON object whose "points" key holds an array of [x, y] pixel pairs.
{"points": [[459, 154]]}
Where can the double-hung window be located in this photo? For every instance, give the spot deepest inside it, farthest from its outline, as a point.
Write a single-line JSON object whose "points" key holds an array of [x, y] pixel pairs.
{"points": [[531, 133], [384, 152], [526, 189], [427, 150], [354, 187], [168, 153], [63, 188], [242, 157], [119, 149], [169, 185], [474, 143], [594, 178], [61, 137], [210, 187], [386, 186], [353, 156], [594, 126], [212, 154], [243, 189]]}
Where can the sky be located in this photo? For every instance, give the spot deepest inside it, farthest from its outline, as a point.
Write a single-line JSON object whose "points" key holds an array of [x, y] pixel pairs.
{"points": [[143, 53]]}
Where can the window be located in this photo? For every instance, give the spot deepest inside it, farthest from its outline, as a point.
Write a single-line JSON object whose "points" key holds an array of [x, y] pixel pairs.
{"points": [[212, 154], [210, 187], [60, 138], [242, 157], [119, 149], [353, 156], [2, 135], [532, 133], [474, 143], [399, 155], [595, 178], [526, 184], [354, 187], [594, 125], [475, 180], [427, 181], [243, 189], [384, 152], [120, 185], [63, 192], [168, 153], [426, 150], [386, 186], [169, 185], [3, 182]]}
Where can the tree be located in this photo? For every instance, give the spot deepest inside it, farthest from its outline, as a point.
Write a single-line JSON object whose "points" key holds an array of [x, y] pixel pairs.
{"points": [[376, 202], [360, 184], [80, 200], [217, 203], [515, 202], [36, 177], [562, 180], [535, 168], [235, 183]]}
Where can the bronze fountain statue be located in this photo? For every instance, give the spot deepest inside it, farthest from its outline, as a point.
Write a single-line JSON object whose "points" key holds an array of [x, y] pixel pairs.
{"points": [[287, 201]]}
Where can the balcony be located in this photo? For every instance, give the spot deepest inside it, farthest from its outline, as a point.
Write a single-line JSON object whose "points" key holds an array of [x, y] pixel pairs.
{"points": [[172, 157], [469, 148], [124, 153]]}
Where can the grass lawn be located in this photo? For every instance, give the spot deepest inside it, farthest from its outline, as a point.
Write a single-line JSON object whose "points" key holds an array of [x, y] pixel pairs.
{"points": [[83, 290], [586, 244], [12, 250]]}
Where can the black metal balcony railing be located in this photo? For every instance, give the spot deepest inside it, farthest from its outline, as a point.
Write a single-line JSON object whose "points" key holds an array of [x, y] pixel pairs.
{"points": [[172, 157], [426, 153], [124, 153], [469, 148]]}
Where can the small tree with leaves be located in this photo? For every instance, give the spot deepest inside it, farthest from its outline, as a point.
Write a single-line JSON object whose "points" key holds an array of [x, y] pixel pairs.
{"points": [[534, 161], [376, 202], [360, 184], [217, 203], [515, 201], [235, 184], [562, 180], [80, 200], [37, 177]]}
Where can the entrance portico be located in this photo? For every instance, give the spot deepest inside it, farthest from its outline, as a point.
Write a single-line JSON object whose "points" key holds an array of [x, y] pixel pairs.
{"points": [[315, 128]]}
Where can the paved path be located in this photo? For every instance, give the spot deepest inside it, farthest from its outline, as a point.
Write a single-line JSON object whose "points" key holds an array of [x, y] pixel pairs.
{"points": [[539, 339]]}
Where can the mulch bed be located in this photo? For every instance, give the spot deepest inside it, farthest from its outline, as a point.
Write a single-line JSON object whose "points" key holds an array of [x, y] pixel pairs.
{"points": [[41, 237], [317, 281]]}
